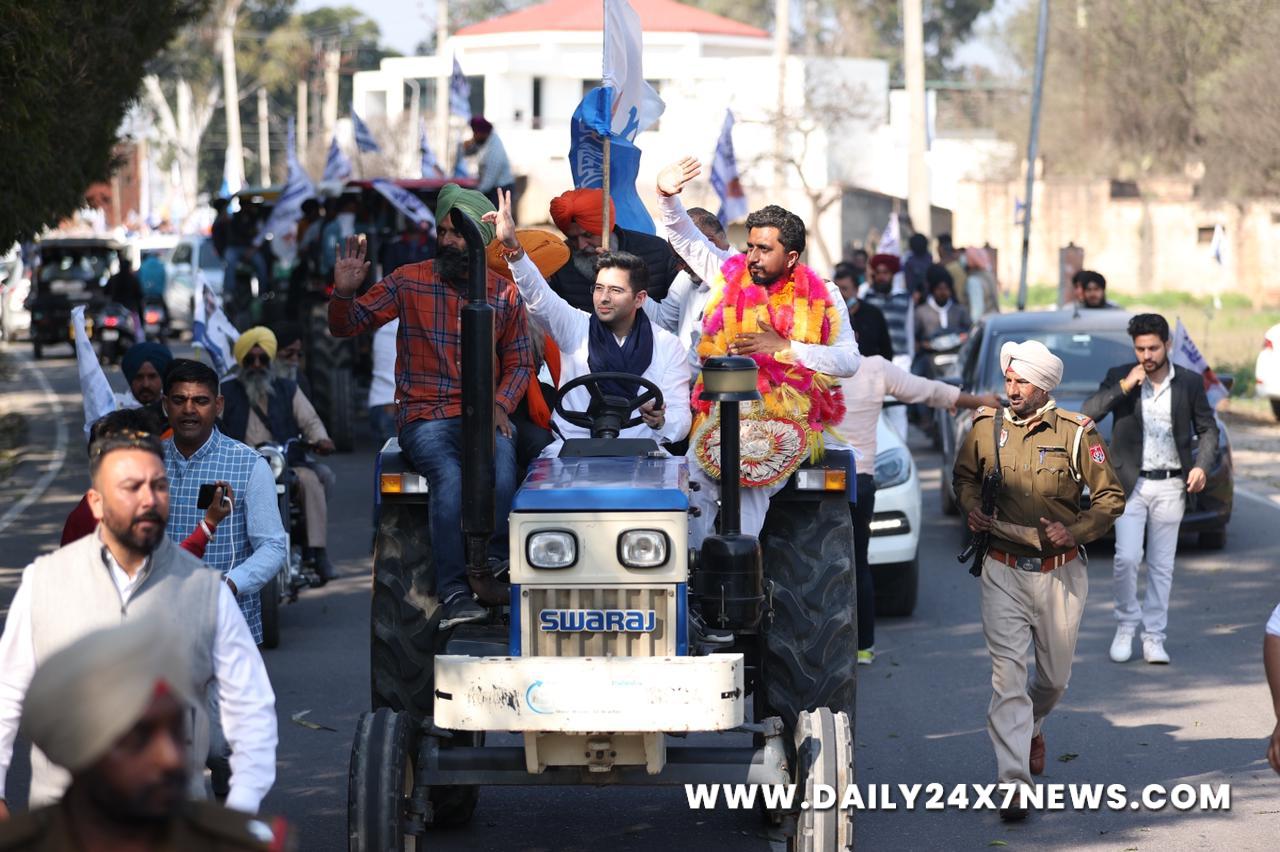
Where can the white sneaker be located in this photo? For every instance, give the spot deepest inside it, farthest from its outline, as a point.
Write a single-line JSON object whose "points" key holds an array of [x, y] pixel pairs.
{"points": [[1153, 651], [1122, 645]]}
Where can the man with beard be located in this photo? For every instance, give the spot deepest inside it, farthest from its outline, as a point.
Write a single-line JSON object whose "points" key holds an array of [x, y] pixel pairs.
{"points": [[260, 407], [143, 366], [112, 709], [617, 337], [1034, 577], [899, 313], [1090, 290], [869, 327], [1154, 411], [766, 305], [579, 214], [428, 298], [250, 545], [290, 362], [939, 314], [130, 570]]}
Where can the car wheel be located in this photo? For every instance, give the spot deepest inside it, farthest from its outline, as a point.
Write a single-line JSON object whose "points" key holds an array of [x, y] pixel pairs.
{"points": [[1213, 539], [1275, 408]]}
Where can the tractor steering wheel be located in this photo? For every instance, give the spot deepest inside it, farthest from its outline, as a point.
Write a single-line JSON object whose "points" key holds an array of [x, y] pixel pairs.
{"points": [[608, 413]]}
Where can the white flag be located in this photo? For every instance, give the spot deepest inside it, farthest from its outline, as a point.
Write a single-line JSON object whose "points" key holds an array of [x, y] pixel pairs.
{"points": [[404, 201], [724, 176], [364, 136], [337, 168], [1217, 248], [288, 209], [211, 331], [99, 399], [891, 239], [1187, 355], [635, 105], [459, 92]]}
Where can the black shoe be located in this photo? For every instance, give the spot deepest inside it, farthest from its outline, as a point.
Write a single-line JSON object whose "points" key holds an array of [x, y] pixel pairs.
{"points": [[324, 568], [1013, 814], [460, 608]]}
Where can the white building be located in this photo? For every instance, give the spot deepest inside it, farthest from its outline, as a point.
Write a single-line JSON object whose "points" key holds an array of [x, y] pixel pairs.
{"points": [[530, 69]]}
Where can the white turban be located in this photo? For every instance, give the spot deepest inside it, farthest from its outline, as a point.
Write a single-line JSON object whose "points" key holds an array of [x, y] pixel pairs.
{"points": [[1033, 361], [85, 697]]}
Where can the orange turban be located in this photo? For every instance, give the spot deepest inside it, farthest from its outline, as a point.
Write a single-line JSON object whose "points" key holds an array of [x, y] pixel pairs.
{"points": [[584, 206], [546, 251]]}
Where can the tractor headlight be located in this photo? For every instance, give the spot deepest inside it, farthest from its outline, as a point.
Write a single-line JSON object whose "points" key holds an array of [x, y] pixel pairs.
{"points": [[274, 458], [893, 467], [552, 549], [642, 548]]}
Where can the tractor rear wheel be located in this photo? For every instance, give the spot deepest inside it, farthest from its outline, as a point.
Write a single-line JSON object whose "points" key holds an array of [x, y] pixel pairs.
{"points": [[810, 646], [824, 756], [383, 814], [405, 614]]}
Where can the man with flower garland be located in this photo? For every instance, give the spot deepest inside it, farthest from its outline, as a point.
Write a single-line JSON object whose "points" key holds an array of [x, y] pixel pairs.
{"points": [[768, 306]]}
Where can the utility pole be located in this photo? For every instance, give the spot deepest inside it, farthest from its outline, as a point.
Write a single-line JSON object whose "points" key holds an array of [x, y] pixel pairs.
{"points": [[332, 60], [1033, 148], [264, 141], [443, 153], [303, 96], [781, 53], [918, 207], [231, 95]]}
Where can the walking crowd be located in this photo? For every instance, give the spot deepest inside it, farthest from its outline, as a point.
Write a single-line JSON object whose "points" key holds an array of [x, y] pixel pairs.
{"points": [[131, 665]]}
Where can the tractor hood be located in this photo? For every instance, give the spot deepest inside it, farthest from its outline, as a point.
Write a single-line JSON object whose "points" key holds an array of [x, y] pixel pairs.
{"points": [[605, 485]]}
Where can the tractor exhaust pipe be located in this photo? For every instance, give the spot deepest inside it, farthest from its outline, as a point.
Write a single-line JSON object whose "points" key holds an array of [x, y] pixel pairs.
{"points": [[477, 401], [730, 578]]}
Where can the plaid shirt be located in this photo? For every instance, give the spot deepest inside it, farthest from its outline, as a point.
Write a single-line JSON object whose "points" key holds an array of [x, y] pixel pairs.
{"points": [[429, 340]]}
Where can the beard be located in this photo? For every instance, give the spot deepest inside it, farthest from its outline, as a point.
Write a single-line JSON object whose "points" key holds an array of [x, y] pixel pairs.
{"points": [[285, 370], [150, 804], [451, 265], [762, 278], [128, 531], [585, 263], [257, 384], [1157, 366]]}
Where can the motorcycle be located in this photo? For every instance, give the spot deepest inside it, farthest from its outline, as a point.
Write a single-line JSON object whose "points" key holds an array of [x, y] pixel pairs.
{"points": [[296, 573], [942, 361], [112, 331], [155, 319]]}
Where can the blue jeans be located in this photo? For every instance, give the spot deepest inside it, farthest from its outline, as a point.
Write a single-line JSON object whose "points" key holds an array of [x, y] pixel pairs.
{"points": [[434, 448]]}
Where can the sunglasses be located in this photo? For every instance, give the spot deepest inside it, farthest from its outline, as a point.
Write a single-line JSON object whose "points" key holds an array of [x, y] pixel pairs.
{"points": [[251, 360]]}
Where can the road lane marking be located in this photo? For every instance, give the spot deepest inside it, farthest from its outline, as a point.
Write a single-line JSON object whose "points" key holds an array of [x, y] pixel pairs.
{"points": [[59, 451]]}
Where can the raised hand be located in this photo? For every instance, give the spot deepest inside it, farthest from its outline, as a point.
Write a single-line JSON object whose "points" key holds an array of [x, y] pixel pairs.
{"points": [[351, 267], [504, 223], [673, 177]]}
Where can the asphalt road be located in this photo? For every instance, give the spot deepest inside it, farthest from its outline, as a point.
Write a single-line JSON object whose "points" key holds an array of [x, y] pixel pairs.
{"points": [[921, 706]]}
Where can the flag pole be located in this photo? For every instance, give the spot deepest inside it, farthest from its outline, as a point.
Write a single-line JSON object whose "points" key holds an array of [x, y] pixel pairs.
{"points": [[606, 229]]}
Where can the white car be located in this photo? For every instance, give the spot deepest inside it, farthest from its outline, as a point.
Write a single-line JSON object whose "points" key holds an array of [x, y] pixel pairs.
{"points": [[895, 526], [1267, 370], [193, 253], [15, 286]]}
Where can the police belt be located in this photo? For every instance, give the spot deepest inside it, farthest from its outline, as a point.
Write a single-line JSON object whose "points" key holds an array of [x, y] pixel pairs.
{"points": [[1033, 564]]}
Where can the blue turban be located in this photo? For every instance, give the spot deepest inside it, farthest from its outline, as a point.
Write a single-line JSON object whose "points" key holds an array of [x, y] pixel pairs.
{"points": [[140, 353]]}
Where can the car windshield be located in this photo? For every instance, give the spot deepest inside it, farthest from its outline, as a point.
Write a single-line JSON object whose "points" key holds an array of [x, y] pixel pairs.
{"points": [[1086, 357], [68, 264], [209, 256]]}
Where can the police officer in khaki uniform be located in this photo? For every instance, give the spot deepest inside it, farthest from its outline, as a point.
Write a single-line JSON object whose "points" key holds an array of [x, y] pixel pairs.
{"points": [[112, 708], [1034, 578]]}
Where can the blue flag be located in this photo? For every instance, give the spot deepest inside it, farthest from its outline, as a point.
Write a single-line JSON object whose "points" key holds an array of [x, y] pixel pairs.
{"points": [[405, 201], [586, 161], [430, 165], [364, 137]]}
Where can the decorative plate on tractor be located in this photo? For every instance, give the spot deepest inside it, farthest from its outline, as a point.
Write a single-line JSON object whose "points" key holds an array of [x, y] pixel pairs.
{"points": [[772, 448]]}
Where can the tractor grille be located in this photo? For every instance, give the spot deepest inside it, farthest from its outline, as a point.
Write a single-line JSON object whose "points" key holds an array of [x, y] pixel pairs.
{"points": [[659, 643]]}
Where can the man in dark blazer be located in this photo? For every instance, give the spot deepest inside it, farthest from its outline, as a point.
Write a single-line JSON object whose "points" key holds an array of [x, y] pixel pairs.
{"points": [[1155, 411]]}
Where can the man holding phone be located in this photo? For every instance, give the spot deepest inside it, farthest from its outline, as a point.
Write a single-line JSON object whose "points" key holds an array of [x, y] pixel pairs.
{"points": [[250, 545]]}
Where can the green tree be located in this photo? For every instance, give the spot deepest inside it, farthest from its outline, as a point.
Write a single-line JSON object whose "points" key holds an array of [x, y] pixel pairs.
{"points": [[69, 69]]}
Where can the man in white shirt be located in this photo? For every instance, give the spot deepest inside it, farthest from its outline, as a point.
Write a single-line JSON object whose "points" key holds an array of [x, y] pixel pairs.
{"points": [[129, 570], [1271, 662], [617, 337], [680, 311]]}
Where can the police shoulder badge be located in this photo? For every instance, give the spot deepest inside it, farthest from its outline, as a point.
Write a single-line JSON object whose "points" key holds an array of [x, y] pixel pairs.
{"points": [[1004, 437], [1098, 454]]}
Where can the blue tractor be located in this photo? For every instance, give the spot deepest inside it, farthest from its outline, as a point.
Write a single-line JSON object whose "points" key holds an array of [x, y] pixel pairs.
{"points": [[597, 656]]}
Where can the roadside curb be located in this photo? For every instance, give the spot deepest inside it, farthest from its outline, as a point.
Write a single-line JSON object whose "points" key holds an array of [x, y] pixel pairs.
{"points": [[40, 462]]}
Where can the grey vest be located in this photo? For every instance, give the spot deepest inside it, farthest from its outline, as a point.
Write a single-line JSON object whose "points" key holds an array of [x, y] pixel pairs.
{"points": [[73, 593]]}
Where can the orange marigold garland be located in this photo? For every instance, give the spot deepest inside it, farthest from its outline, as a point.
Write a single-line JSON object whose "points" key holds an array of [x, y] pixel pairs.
{"points": [[799, 309]]}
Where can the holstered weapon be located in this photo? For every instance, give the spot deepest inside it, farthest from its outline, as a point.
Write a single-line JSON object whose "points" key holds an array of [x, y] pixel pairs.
{"points": [[991, 484]]}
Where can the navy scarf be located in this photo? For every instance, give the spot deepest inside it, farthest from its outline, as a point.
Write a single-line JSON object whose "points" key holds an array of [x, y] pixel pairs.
{"points": [[604, 355]]}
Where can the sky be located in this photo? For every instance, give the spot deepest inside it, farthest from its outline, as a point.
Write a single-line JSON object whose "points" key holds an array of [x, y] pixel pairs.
{"points": [[405, 23]]}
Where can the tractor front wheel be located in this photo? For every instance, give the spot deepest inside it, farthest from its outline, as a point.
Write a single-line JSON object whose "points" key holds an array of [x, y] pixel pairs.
{"points": [[383, 814]]}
